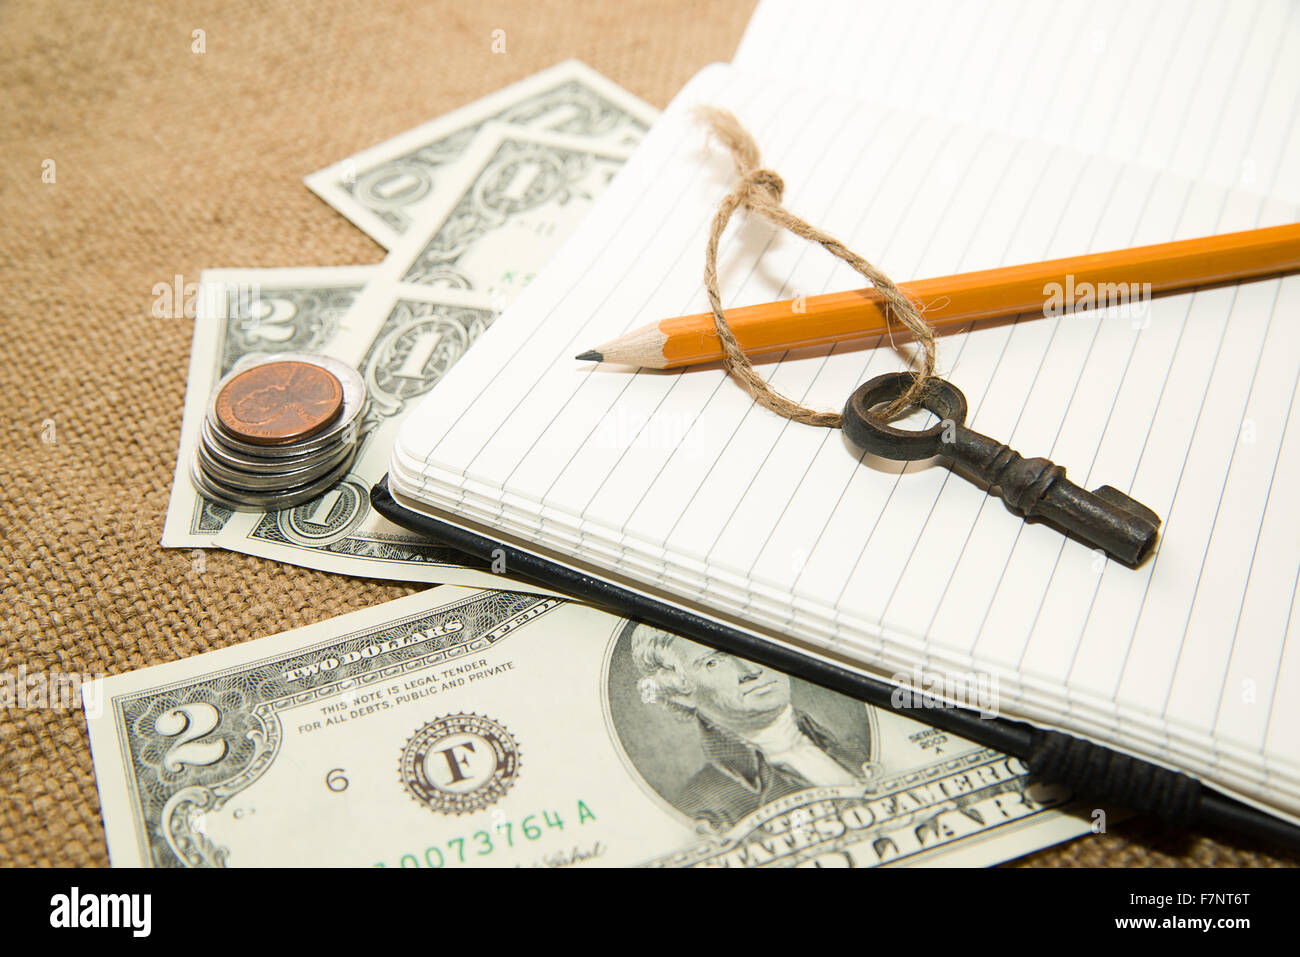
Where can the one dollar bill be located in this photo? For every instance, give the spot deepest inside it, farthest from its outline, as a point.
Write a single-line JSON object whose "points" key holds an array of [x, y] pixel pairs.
{"points": [[519, 194], [387, 189], [465, 728]]}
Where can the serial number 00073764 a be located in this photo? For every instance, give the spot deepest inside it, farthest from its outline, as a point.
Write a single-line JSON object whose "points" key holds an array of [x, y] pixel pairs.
{"points": [[500, 833]]}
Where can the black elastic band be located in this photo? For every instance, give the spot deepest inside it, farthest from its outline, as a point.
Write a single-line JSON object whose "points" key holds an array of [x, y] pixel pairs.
{"points": [[1114, 777]]}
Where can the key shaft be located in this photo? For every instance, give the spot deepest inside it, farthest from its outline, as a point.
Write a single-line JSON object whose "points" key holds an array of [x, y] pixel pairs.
{"points": [[1037, 487]]}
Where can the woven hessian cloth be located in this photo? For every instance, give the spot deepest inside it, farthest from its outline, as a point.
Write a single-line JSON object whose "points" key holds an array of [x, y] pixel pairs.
{"points": [[167, 162]]}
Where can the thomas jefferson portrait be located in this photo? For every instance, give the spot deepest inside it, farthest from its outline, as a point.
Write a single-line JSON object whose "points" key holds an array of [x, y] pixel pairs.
{"points": [[719, 736]]}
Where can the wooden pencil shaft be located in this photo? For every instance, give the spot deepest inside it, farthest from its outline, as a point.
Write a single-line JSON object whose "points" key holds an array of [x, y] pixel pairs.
{"points": [[1100, 279]]}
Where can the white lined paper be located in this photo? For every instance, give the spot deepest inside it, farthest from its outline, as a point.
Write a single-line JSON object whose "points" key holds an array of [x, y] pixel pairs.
{"points": [[1206, 88], [777, 523]]}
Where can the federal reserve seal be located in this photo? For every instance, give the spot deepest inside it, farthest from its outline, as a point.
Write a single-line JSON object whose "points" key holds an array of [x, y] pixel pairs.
{"points": [[460, 763]]}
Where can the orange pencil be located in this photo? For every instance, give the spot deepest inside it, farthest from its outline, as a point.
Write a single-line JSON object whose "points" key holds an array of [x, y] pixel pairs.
{"points": [[1123, 277]]}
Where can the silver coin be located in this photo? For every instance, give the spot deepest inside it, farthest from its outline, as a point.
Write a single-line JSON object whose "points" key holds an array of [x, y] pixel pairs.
{"points": [[219, 451], [265, 480], [354, 403], [243, 501]]}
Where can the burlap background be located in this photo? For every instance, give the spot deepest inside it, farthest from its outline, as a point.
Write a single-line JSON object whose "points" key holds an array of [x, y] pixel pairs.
{"points": [[167, 162]]}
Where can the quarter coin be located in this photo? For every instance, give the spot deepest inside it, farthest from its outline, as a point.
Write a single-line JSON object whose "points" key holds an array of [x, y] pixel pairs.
{"points": [[265, 481], [217, 449], [243, 501]]}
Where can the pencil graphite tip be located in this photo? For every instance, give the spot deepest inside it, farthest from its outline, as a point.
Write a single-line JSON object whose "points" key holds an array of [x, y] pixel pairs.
{"points": [[591, 355]]}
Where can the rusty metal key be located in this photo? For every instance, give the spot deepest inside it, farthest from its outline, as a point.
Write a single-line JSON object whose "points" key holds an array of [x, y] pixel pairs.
{"points": [[1105, 517]]}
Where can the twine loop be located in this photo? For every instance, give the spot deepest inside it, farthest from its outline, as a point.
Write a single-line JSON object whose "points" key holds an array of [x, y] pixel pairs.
{"points": [[761, 190], [762, 187]]}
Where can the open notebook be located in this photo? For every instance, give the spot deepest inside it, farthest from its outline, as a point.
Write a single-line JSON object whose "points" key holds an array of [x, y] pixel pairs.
{"points": [[677, 486], [1207, 88]]}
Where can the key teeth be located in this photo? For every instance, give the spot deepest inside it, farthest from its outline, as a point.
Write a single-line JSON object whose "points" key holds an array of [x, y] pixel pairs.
{"points": [[1117, 498]]}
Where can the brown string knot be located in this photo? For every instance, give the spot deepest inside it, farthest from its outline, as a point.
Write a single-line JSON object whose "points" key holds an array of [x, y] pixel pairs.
{"points": [[761, 191], [762, 188]]}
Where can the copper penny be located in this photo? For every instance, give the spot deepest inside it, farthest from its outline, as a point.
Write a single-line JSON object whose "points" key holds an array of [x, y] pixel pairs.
{"points": [[279, 402]]}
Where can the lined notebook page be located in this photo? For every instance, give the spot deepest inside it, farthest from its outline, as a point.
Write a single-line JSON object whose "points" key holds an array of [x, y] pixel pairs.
{"points": [[1208, 88], [678, 480]]}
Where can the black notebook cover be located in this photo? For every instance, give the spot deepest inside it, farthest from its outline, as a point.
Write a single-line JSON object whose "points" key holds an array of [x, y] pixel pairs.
{"points": [[1091, 770]]}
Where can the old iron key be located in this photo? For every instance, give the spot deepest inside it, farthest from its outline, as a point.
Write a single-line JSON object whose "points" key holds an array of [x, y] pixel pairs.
{"points": [[1104, 517]]}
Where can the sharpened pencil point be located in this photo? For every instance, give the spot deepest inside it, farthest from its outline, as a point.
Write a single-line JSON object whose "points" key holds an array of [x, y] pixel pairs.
{"points": [[591, 355]]}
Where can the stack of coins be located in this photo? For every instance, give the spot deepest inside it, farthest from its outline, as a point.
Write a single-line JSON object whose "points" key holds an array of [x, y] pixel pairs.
{"points": [[280, 430]]}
